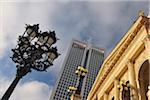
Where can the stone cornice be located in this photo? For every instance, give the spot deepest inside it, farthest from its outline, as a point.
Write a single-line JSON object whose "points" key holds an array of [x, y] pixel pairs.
{"points": [[115, 55], [147, 25]]}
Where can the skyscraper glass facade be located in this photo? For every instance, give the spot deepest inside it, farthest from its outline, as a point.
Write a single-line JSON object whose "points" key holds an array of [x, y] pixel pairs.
{"points": [[83, 54]]}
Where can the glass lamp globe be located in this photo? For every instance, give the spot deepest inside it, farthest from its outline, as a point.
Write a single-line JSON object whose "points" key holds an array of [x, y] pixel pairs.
{"points": [[43, 38], [51, 56], [32, 31], [50, 41]]}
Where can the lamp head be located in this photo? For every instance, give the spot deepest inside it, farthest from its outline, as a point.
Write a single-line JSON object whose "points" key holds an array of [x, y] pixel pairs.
{"points": [[53, 54], [47, 38], [32, 31]]}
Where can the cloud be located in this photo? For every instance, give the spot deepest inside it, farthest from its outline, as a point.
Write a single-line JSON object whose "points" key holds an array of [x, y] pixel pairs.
{"points": [[85, 21], [102, 22], [14, 16], [33, 90]]}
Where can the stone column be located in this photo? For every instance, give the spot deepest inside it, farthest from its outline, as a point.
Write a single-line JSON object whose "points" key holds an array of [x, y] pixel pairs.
{"points": [[147, 45], [132, 81], [105, 96], [147, 48], [96, 97], [116, 84], [148, 93]]}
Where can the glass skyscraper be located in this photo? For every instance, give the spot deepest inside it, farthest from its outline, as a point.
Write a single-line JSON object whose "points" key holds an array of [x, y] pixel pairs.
{"points": [[79, 54]]}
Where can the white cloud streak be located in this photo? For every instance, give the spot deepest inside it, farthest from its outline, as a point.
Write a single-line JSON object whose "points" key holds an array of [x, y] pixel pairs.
{"points": [[15, 15], [32, 90]]}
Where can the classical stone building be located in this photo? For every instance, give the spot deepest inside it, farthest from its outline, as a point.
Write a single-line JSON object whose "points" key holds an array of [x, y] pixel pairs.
{"points": [[124, 75]]}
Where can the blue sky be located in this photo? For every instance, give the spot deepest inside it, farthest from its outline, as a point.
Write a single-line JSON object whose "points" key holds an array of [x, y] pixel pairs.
{"points": [[98, 22]]}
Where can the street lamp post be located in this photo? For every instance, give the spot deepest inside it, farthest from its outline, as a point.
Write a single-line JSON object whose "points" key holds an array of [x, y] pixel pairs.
{"points": [[81, 73], [33, 51], [125, 90]]}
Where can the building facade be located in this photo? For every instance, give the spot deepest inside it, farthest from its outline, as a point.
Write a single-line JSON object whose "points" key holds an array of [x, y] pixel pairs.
{"points": [[79, 54], [125, 73]]}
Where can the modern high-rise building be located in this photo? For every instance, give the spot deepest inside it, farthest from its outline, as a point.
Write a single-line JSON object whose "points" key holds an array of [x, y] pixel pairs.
{"points": [[79, 54]]}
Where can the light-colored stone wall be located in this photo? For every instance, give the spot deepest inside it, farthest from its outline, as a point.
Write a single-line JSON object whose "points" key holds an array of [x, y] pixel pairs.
{"points": [[123, 64]]}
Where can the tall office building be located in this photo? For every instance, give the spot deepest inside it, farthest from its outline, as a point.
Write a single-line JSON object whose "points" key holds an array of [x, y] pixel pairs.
{"points": [[79, 54]]}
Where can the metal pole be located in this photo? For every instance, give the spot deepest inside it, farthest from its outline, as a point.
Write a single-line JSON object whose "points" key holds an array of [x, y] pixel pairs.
{"points": [[11, 89], [28, 55]]}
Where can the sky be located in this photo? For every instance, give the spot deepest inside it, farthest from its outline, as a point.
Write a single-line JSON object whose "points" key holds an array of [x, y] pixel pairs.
{"points": [[98, 22]]}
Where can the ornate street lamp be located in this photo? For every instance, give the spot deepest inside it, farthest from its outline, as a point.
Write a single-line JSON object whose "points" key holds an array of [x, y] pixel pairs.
{"points": [[76, 90], [72, 89], [124, 88], [33, 51]]}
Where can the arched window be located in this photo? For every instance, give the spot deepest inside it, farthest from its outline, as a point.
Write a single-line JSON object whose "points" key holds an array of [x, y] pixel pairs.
{"points": [[144, 79]]}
